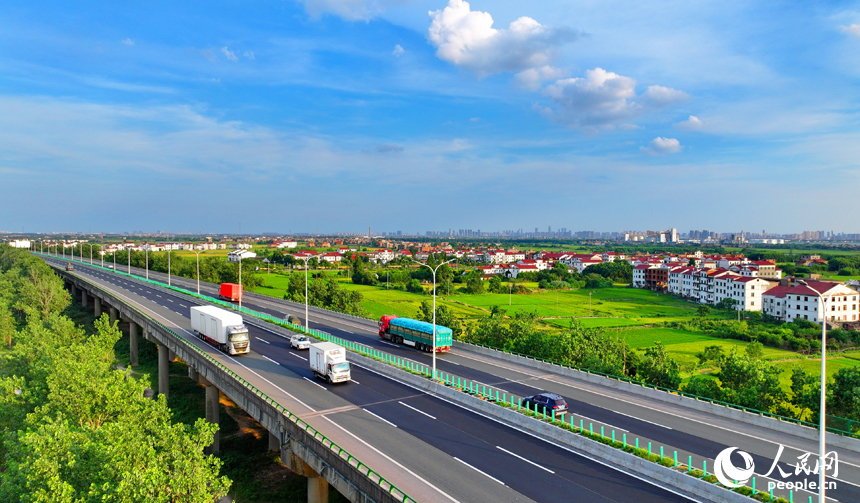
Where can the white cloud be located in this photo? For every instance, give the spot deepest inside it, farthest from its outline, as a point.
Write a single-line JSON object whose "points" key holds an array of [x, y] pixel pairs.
{"points": [[248, 54], [467, 39], [662, 145], [229, 54], [853, 29], [533, 78], [603, 99], [693, 123], [351, 10], [474, 119], [128, 41], [398, 50]]}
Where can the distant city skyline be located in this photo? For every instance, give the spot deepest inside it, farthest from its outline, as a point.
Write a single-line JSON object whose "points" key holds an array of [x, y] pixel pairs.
{"points": [[414, 114]]}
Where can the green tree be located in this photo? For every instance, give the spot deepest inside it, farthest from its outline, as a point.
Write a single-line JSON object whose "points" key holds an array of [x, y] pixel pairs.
{"points": [[444, 317], [750, 383], [475, 285], [712, 353], [659, 369], [844, 399], [755, 350], [703, 311]]}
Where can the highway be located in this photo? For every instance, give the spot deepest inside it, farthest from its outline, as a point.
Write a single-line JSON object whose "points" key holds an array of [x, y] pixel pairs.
{"points": [[443, 452], [691, 433]]}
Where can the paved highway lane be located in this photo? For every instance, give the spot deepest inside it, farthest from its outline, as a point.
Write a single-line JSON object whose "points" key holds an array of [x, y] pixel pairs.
{"points": [[691, 433], [481, 452]]}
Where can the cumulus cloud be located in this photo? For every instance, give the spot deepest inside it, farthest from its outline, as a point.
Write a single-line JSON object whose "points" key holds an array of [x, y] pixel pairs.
{"points": [[229, 54], [603, 99], [248, 54], [128, 41], [398, 50], [662, 145], [474, 119], [533, 78], [693, 123], [853, 29], [467, 39]]}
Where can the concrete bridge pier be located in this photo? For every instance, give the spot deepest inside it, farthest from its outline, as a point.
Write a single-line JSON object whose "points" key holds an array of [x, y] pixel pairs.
{"points": [[171, 355], [84, 299], [163, 368], [132, 342], [317, 489], [213, 411], [98, 306], [74, 290], [113, 315], [274, 442]]}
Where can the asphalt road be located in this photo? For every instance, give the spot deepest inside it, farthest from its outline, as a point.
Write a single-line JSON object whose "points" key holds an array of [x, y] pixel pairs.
{"points": [[461, 455]]}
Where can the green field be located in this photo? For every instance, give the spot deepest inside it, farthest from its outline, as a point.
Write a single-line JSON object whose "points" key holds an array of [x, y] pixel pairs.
{"points": [[813, 366]]}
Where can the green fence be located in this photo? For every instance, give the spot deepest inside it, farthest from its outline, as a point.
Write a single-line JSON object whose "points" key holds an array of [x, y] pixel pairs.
{"points": [[329, 444]]}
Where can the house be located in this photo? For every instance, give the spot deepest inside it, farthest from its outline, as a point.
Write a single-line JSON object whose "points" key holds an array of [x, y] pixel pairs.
{"points": [[331, 257], [792, 299], [237, 255], [283, 244]]}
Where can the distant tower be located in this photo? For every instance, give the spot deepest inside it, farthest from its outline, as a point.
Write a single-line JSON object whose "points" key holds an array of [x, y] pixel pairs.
{"points": [[369, 235]]}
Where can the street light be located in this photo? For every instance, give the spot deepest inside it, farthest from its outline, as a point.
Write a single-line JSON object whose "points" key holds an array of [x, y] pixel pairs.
{"points": [[306, 258], [91, 252], [170, 247], [198, 269], [433, 270], [241, 291], [129, 263], [822, 431]]}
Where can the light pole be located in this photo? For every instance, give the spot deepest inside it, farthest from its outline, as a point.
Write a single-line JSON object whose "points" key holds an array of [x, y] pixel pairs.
{"points": [[129, 263], [589, 304], [433, 270], [241, 291], [91, 252], [198, 269], [146, 259], [170, 247], [822, 429], [306, 259], [114, 260]]}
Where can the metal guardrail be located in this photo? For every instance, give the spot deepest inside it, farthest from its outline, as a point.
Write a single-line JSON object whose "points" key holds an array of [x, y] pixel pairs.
{"points": [[326, 442]]}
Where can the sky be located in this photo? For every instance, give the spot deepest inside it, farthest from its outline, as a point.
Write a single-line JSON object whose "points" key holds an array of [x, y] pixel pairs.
{"points": [[415, 115]]}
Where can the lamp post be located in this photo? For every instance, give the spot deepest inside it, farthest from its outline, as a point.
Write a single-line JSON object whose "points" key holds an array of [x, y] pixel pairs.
{"points": [[589, 304], [91, 252], [822, 429], [433, 270], [198, 269], [170, 247], [306, 259], [129, 263], [241, 291], [146, 259], [114, 260]]}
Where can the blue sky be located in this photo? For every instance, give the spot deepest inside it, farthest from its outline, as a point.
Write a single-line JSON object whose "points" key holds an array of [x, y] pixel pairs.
{"points": [[336, 115]]}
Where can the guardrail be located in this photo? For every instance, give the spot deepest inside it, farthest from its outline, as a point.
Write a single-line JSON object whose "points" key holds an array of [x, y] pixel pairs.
{"points": [[318, 436]]}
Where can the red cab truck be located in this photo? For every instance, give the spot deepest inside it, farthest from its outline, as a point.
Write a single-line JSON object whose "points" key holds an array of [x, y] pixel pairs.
{"points": [[231, 292]]}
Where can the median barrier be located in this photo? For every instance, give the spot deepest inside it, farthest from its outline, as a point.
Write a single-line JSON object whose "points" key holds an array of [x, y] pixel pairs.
{"points": [[788, 426]]}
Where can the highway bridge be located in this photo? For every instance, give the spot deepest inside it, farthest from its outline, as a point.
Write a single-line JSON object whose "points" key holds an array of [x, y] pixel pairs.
{"points": [[432, 449]]}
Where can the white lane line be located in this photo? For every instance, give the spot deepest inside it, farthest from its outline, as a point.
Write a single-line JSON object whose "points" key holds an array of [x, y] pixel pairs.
{"points": [[273, 361], [171, 300], [599, 422], [389, 344], [157, 295], [302, 357], [183, 305], [479, 471], [416, 410], [356, 382], [526, 460], [380, 418], [264, 340], [315, 384], [640, 419], [177, 312]]}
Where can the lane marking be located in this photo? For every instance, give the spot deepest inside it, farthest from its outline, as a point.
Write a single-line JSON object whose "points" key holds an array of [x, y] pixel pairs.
{"points": [[157, 295], [416, 410], [302, 357], [526, 460], [264, 340], [273, 361], [356, 382], [389, 344], [183, 305], [169, 300], [315, 384], [380, 418], [479, 471], [640, 419]]}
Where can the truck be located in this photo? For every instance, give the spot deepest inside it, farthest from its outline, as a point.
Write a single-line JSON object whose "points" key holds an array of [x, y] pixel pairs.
{"points": [[415, 333], [221, 328], [328, 362], [230, 291]]}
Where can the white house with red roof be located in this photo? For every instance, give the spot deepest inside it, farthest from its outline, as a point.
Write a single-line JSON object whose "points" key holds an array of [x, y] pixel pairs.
{"points": [[331, 257], [813, 301]]}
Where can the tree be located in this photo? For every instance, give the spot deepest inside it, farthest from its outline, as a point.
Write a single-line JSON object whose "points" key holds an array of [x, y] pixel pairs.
{"points": [[755, 351], [710, 354], [415, 287], [750, 383], [844, 398], [444, 317], [475, 285], [659, 369], [703, 311]]}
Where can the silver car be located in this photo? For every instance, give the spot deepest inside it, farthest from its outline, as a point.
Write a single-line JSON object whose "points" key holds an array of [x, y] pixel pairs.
{"points": [[299, 341]]}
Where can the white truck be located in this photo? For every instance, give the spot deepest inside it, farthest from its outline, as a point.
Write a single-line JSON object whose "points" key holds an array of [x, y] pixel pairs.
{"points": [[222, 328], [328, 361]]}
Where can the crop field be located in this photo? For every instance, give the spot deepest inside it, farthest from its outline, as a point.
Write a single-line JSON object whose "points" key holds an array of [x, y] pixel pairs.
{"points": [[683, 345], [813, 366]]}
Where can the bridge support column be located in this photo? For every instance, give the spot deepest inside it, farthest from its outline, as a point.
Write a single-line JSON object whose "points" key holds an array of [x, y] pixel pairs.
{"points": [[213, 414], [74, 290], [132, 342], [274, 442], [317, 489], [193, 374], [84, 299], [113, 315], [171, 355], [98, 306], [163, 368]]}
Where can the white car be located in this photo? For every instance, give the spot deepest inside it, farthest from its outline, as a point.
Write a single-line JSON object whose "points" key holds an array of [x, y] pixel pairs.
{"points": [[299, 341]]}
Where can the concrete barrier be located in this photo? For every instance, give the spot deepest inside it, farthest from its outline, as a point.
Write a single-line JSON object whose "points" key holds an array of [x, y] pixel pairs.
{"points": [[848, 443], [617, 458]]}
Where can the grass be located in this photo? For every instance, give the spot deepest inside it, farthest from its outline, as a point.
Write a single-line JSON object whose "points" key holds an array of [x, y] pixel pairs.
{"points": [[813, 366]]}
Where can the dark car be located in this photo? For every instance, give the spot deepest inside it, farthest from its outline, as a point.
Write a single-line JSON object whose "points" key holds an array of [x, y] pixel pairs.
{"points": [[546, 402], [69, 267]]}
